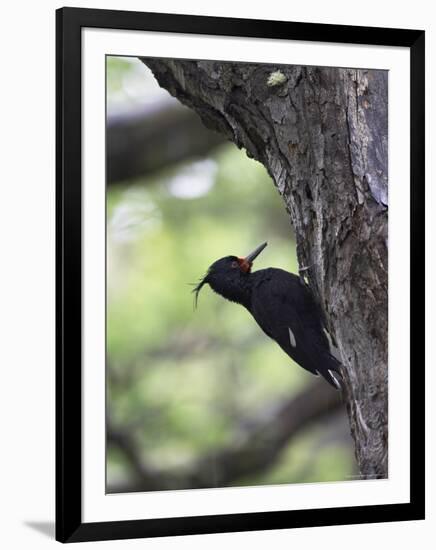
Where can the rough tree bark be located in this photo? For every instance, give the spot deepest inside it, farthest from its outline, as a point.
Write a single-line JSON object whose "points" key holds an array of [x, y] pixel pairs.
{"points": [[322, 135]]}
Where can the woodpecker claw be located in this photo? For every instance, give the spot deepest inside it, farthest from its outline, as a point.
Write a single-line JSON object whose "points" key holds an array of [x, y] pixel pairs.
{"points": [[301, 272]]}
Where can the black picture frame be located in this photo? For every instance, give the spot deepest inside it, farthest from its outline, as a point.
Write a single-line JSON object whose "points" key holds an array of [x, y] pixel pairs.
{"points": [[69, 525]]}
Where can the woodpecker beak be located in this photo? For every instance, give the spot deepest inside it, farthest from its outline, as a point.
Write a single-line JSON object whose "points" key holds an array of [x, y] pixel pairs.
{"points": [[253, 255], [246, 263]]}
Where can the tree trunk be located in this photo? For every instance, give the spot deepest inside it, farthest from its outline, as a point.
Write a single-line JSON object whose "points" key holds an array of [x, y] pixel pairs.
{"points": [[322, 135]]}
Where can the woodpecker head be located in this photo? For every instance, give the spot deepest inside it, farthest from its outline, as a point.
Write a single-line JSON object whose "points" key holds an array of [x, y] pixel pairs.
{"points": [[229, 276]]}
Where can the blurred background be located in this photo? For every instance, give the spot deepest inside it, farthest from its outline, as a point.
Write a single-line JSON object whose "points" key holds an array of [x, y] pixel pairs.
{"points": [[198, 398]]}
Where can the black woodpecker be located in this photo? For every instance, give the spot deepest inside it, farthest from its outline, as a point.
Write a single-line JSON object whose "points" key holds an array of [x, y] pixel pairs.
{"points": [[282, 305]]}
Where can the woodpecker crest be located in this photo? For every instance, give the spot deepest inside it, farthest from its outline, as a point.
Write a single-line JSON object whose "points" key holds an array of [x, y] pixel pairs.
{"points": [[282, 306]]}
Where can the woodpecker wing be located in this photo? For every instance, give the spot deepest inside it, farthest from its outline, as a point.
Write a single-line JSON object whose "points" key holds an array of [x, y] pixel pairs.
{"points": [[286, 311]]}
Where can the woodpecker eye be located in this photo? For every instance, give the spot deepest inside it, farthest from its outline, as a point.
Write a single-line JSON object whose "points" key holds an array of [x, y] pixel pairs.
{"points": [[235, 264]]}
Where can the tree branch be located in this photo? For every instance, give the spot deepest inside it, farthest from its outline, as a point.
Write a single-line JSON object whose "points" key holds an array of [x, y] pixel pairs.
{"points": [[148, 139], [253, 450]]}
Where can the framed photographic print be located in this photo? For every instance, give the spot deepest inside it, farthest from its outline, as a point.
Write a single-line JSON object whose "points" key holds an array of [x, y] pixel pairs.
{"points": [[240, 226]]}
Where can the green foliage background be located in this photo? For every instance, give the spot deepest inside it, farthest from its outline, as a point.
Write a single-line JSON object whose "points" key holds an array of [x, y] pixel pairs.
{"points": [[182, 381]]}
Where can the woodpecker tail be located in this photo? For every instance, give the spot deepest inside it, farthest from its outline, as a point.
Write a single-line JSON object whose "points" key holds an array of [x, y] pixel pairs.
{"points": [[331, 371]]}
